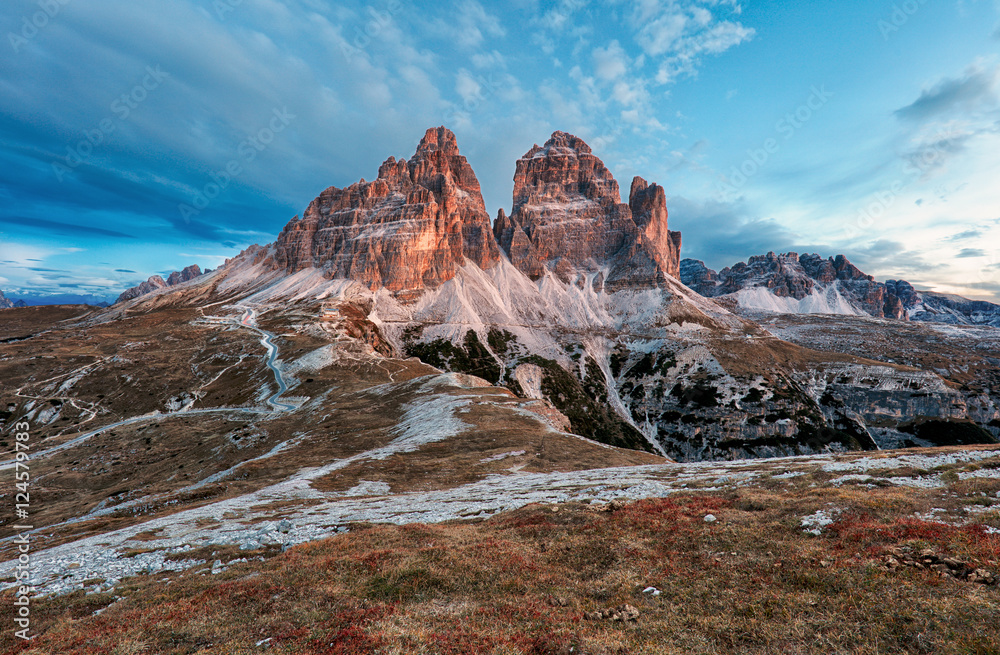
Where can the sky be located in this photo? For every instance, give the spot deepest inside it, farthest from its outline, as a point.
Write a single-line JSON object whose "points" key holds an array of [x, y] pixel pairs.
{"points": [[141, 136]]}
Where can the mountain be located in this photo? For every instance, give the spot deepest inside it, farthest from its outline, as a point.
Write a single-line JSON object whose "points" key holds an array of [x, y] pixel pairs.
{"points": [[573, 299], [568, 216], [810, 284], [7, 303], [155, 283], [408, 230]]}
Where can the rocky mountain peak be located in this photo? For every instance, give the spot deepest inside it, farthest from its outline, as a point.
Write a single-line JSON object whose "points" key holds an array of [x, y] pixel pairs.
{"points": [[438, 139], [421, 219], [568, 216], [185, 275], [648, 203], [155, 282], [835, 282], [409, 229], [563, 170]]}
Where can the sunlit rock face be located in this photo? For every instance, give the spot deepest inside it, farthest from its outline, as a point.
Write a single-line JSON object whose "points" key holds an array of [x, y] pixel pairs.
{"points": [[568, 217], [408, 230]]}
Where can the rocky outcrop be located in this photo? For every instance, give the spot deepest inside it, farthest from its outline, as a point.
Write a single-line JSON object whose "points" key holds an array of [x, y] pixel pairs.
{"points": [[648, 203], [836, 286], [155, 282], [568, 217], [955, 310], [699, 277], [186, 275], [408, 230], [5, 302]]}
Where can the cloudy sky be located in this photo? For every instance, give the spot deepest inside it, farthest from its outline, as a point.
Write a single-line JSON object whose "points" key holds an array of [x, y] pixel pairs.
{"points": [[864, 127]]}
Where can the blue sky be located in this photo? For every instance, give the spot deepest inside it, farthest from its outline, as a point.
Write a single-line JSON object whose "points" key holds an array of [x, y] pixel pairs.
{"points": [[861, 127]]}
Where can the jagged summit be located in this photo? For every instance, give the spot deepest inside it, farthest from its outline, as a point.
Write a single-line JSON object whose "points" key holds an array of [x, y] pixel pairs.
{"points": [[155, 282], [407, 230], [568, 216], [810, 283], [421, 219], [807, 283]]}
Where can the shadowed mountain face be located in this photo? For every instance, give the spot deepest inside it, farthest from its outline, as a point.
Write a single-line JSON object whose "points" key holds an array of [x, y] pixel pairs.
{"points": [[810, 284]]}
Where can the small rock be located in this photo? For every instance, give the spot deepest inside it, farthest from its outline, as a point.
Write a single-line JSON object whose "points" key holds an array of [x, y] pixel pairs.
{"points": [[285, 526], [710, 518], [626, 613], [651, 590], [622, 614]]}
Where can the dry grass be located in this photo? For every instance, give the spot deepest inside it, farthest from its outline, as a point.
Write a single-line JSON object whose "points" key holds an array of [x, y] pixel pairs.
{"points": [[522, 582]]}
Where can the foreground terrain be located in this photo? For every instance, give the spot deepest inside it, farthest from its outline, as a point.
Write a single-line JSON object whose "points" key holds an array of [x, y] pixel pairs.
{"points": [[890, 552], [400, 429]]}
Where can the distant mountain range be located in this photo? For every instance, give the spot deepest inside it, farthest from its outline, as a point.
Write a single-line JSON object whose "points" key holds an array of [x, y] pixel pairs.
{"points": [[809, 284], [7, 303], [156, 282]]}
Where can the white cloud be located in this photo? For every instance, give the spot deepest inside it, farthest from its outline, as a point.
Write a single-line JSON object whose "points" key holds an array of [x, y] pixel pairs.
{"points": [[491, 59], [610, 63], [466, 86], [475, 25], [630, 93], [679, 34]]}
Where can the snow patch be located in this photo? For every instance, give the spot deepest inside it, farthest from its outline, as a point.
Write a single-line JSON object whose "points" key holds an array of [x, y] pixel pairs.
{"points": [[814, 523], [820, 301]]}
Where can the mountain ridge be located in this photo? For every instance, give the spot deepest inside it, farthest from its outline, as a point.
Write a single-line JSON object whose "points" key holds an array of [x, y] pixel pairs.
{"points": [[808, 283]]}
